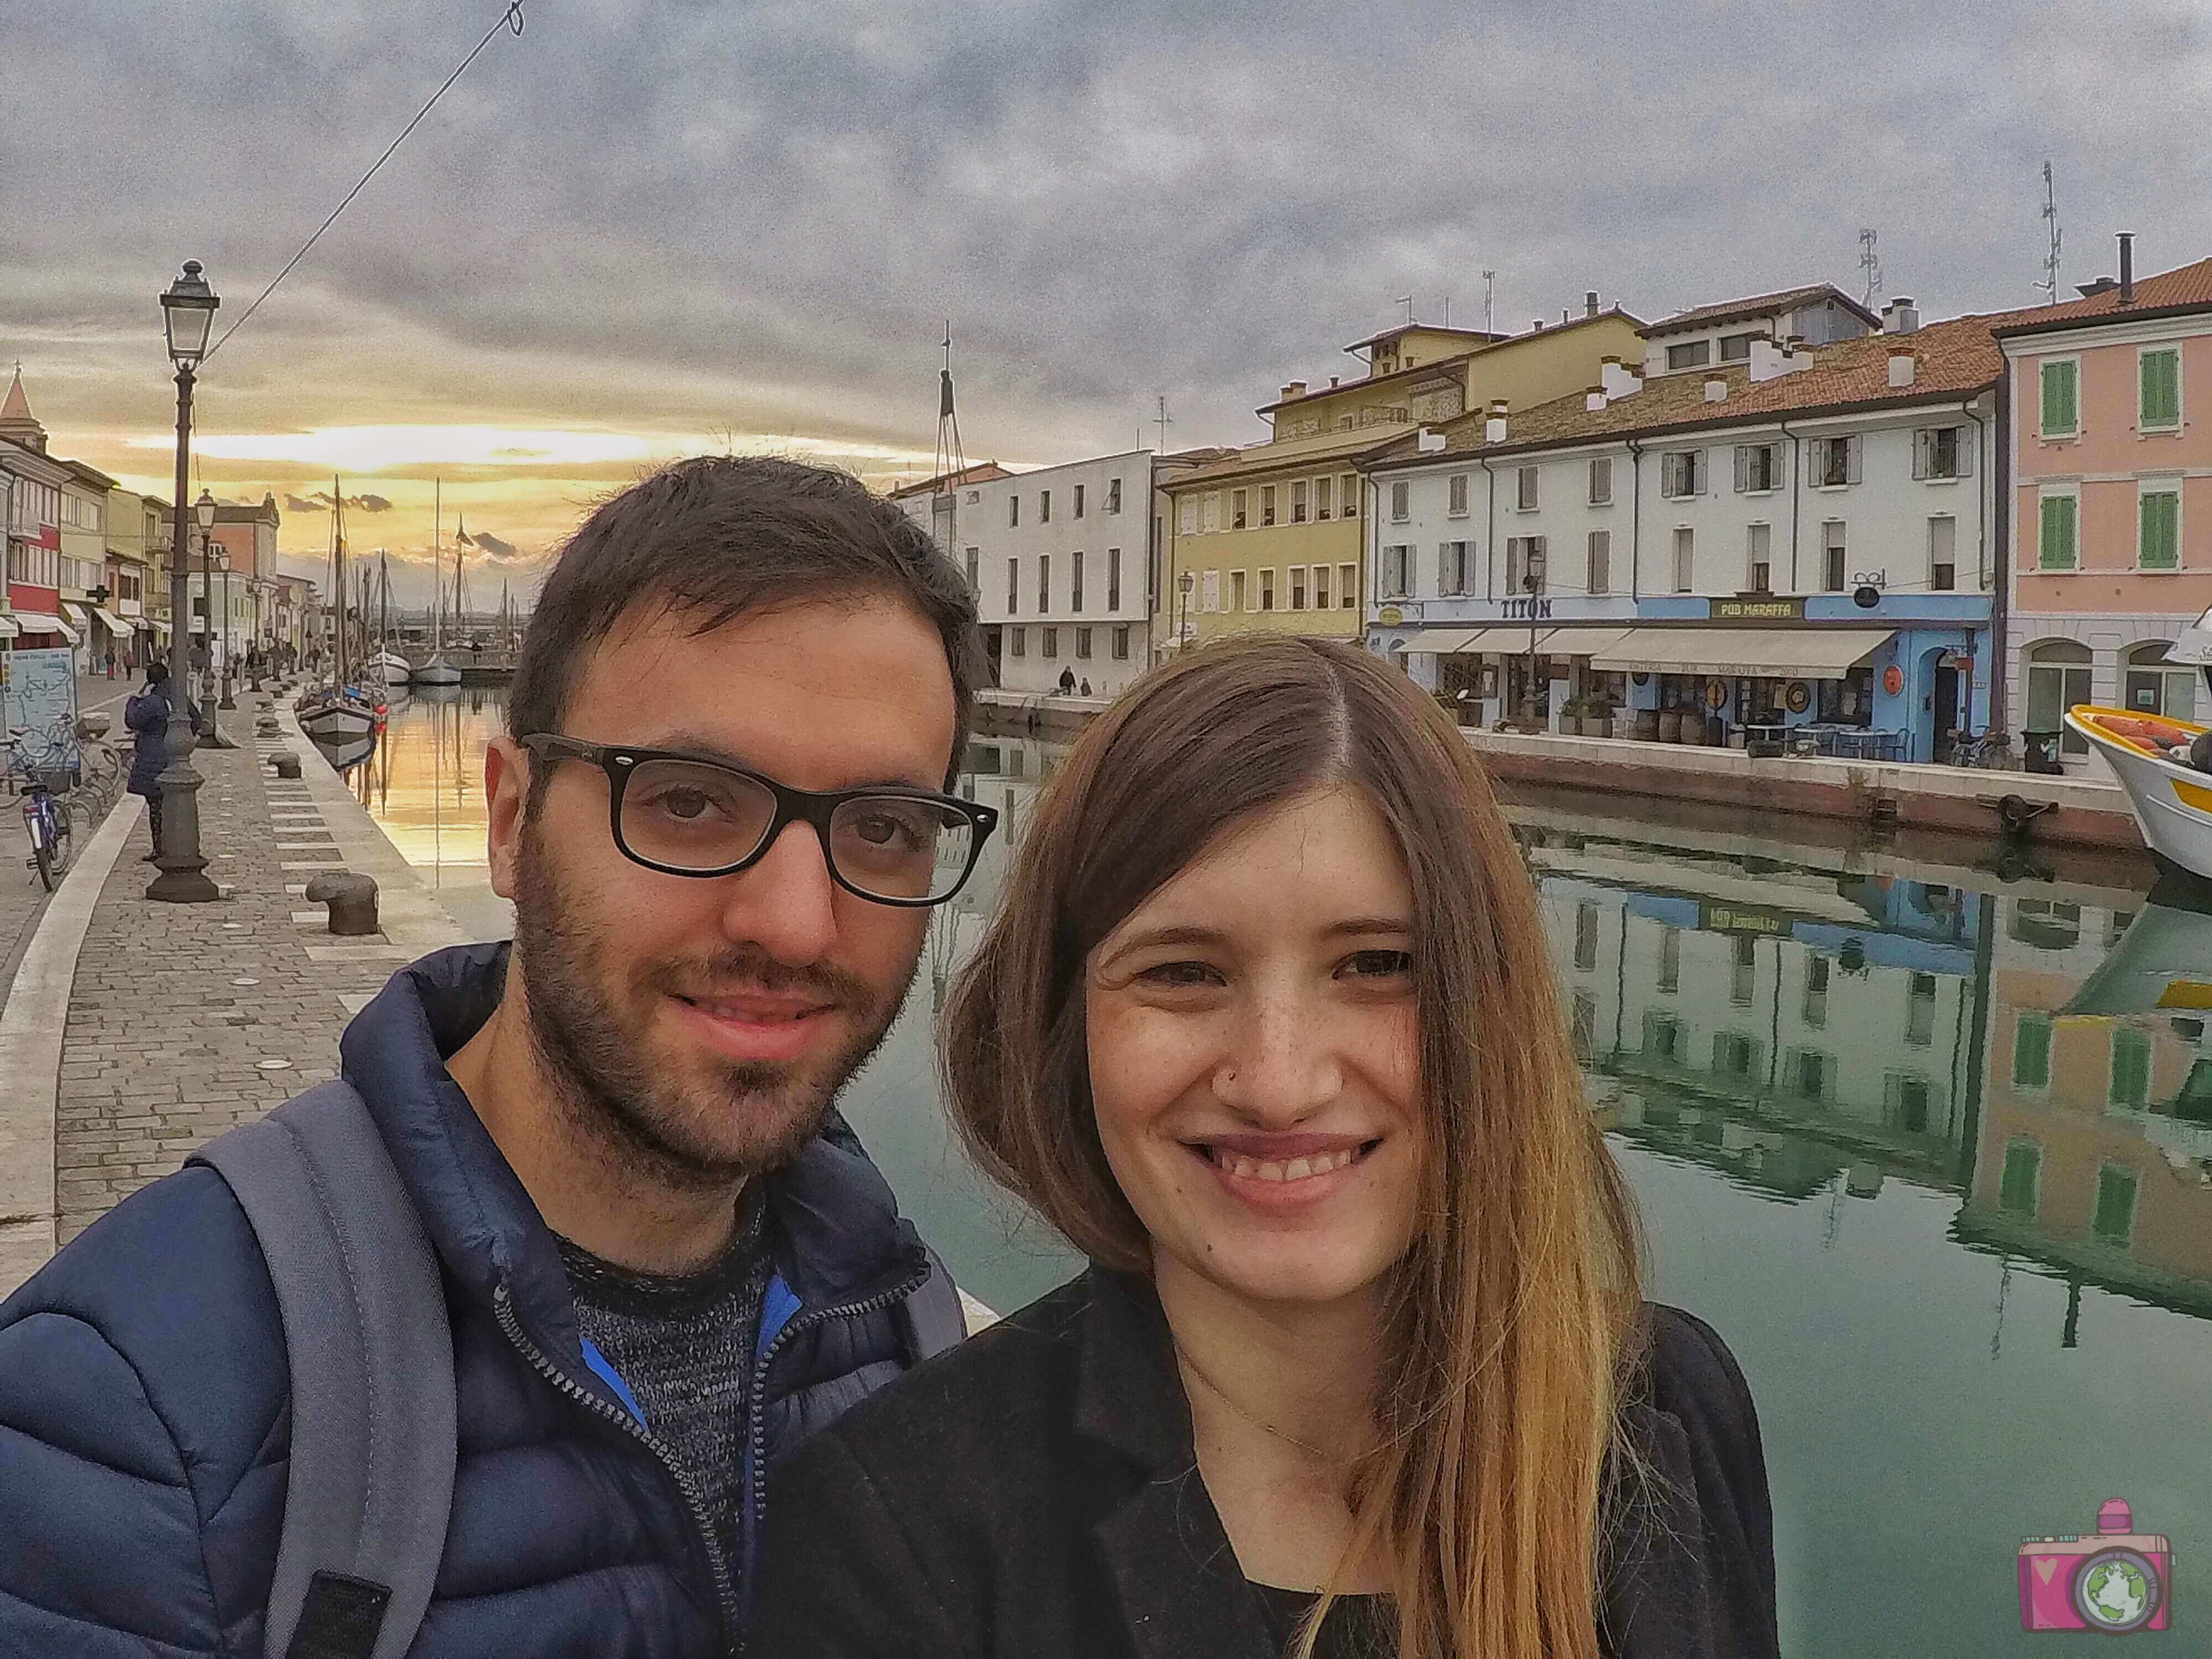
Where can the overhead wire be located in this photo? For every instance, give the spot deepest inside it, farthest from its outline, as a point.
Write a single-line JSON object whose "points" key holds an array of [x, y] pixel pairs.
{"points": [[510, 18]]}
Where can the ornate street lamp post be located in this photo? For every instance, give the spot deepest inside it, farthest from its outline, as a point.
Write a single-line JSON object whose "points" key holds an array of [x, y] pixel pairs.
{"points": [[188, 311], [1184, 583], [222, 563]]}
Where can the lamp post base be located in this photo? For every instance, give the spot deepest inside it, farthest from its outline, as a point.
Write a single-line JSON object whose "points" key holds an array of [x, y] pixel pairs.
{"points": [[184, 878]]}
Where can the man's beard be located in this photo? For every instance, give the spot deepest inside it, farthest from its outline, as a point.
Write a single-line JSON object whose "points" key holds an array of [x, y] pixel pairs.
{"points": [[751, 1117]]}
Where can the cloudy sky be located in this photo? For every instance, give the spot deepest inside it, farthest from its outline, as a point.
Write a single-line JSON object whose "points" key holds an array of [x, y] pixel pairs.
{"points": [[653, 226]]}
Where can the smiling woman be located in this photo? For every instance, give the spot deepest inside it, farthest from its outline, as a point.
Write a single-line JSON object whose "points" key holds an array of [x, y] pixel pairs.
{"points": [[1266, 1028]]}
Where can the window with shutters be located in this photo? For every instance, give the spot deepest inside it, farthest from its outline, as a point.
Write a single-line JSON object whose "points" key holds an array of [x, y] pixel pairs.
{"points": [[1401, 502], [1077, 504], [1833, 555], [2055, 543], [1451, 568], [1083, 642], [1835, 462], [1757, 468], [1524, 564], [1524, 489], [1044, 583], [1347, 586], [1920, 1010], [1113, 494], [975, 571], [2031, 1052], [1815, 1008], [1347, 495], [1113, 579], [2061, 400], [2113, 1221], [1267, 589], [1685, 557], [1941, 452], [1396, 562], [1213, 511], [1600, 480], [1014, 512], [1298, 500], [2131, 1070], [1236, 595], [1019, 646], [1186, 515], [1670, 959], [1320, 586], [1759, 555], [1942, 555], [1075, 585], [1238, 500], [1456, 505], [1320, 496], [1296, 576], [2158, 389], [1682, 472], [2158, 525], [1266, 504], [1013, 587], [1044, 507], [1209, 593], [2020, 1180], [1049, 647], [1600, 562], [1122, 644]]}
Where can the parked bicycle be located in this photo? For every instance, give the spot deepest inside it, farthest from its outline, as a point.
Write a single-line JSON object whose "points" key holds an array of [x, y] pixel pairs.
{"points": [[43, 818]]}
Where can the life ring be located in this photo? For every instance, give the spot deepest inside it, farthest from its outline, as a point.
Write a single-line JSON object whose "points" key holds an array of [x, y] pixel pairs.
{"points": [[1798, 698], [1893, 679], [1716, 693]]}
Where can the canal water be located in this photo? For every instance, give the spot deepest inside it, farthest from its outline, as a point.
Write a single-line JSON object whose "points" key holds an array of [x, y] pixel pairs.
{"points": [[1923, 1128]]}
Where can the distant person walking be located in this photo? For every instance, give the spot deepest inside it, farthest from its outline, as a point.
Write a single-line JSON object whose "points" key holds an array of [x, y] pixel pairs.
{"points": [[146, 716], [1067, 682]]}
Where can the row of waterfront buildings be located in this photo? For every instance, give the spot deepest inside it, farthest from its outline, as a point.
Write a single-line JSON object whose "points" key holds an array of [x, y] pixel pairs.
{"points": [[87, 563], [1786, 516]]}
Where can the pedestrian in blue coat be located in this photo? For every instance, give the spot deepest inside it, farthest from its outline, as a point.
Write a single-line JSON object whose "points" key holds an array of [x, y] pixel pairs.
{"points": [[720, 809], [146, 715]]}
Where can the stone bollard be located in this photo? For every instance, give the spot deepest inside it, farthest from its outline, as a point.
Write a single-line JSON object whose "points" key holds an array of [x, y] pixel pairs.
{"points": [[286, 762], [352, 900]]}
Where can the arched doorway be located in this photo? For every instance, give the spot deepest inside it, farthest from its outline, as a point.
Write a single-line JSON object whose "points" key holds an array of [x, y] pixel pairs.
{"points": [[2149, 684], [2057, 678]]}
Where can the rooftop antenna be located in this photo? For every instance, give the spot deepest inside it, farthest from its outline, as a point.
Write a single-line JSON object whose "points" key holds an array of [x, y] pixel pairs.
{"points": [[1447, 311], [1870, 262], [1407, 301], [1163, 421], [1489, 298], [2050, 284], [951, 462]]}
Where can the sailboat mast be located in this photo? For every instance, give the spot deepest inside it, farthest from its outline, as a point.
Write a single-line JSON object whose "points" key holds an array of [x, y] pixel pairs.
{"points": [[337, 544], [437, 568]]}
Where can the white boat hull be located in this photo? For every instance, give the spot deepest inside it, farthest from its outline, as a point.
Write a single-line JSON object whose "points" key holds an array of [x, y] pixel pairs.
{"points": [[437, 672], [395, 669], [337, 722], [2172, 804]]}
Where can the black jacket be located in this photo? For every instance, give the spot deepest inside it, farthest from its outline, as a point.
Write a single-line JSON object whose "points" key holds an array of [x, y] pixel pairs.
{"points": [[1034, 1491]]}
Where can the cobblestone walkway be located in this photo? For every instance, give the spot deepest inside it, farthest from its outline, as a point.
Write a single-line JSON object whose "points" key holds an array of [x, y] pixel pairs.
{"points": [[186, 1018]]}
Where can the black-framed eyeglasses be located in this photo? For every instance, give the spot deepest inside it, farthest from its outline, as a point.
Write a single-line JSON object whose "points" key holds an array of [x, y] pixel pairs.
{"points": [[686, 816]]}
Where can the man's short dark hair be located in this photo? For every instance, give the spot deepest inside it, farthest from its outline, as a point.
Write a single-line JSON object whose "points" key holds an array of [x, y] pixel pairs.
{"points": [[722, 536]]}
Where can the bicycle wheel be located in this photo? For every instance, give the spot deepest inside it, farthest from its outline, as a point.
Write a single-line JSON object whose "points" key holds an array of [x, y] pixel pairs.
{"points": [[44, 855]]}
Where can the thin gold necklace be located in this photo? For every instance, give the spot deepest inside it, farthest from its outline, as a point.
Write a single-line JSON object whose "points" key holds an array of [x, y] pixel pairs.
{"points": [[1223, 1395]]}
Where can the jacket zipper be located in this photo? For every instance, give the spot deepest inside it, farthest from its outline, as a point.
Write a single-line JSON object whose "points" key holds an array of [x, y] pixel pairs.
{"points": [[756, 1405], [725, 1597]]}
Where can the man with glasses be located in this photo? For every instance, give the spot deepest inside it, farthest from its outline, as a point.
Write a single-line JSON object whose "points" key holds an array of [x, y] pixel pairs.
{"points": [[721, 814]]}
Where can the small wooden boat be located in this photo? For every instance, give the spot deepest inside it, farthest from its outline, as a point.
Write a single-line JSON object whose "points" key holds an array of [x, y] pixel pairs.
{"points": [[394, 668], [337, 714], [2150, 755]]}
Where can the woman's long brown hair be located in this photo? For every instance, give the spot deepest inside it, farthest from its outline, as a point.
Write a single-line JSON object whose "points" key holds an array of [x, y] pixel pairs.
{"points": [[1513, 1316]]}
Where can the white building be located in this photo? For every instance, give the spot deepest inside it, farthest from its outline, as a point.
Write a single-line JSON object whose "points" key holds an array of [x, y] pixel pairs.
{"points": [[1805, 537], [1061, 562]]}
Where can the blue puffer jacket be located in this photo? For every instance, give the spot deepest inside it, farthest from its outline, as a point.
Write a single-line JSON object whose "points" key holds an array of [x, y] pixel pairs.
{"points": [[145, 1416], [146, 714]]}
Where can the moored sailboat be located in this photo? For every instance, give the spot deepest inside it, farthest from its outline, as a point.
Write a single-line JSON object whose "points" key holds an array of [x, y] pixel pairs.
{"points": [[437, 671]]}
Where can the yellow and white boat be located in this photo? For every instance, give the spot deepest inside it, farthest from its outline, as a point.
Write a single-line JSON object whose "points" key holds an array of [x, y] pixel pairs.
{"points": [[2172, 799]]}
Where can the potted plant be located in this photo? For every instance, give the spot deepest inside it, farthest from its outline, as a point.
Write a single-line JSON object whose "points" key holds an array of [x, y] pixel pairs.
{"points": [[1597, 716], [1571, 717]]}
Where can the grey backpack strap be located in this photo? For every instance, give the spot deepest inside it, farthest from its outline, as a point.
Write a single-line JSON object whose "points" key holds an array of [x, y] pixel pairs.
{"points": [[370, 1486], [933, 1317]]}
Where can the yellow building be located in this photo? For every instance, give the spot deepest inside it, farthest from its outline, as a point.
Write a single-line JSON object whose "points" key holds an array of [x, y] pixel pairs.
{"points": [[1271, 538]]}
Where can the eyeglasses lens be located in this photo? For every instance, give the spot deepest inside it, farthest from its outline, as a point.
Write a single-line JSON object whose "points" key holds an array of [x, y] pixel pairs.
{"points": [[894, 847]]}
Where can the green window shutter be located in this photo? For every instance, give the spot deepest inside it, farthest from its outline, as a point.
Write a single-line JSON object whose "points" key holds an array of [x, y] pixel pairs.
{"points": [[2159, 512], [2130, 1085], [2115, 1219], [2056, 551], [2023, 1163], [2059, 419], [2158, 403], [2031, 1052]]}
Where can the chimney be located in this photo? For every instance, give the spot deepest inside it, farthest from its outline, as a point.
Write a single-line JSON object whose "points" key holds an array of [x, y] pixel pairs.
{"points": [[1619, 381], [1295, 389], [1589, 302], [1902, 367], [1331, 381], [1716, 389], [2126, 268], [1800, 356], [1766, 360], [1594, 398], [1536, 325], [1901, 316], [1427, 441], [1493, 424]]}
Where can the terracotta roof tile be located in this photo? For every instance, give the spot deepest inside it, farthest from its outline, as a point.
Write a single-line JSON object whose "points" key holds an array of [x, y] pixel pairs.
{"points": [[981, 472], [1955, 358], [2186, 286]]}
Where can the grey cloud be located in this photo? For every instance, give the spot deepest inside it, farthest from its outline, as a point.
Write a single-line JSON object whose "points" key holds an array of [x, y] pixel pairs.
{"points": [[681, 215]]}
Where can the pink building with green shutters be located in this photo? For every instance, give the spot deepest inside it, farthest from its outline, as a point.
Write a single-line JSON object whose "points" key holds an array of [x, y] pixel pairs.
{"points": [[2110, 418]]}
